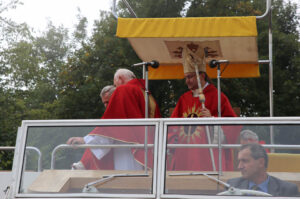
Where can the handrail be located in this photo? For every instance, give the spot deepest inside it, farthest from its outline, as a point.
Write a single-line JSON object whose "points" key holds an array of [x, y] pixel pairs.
{"points": [[229, 146], [10, 148], [39, 156], [92, 146], [7, 148], [225, 146], [268, 8], [267, 11], [130, 8], [263, 61]]}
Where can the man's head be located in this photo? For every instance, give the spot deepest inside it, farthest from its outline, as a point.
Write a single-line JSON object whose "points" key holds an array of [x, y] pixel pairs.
{"points": [[122, 76], [106, 93], [248, 136], [191, 79], [253, 161], [193, 61]]}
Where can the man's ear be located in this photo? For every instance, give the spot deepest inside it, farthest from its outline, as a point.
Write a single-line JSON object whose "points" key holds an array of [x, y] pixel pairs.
{"points": [[261, 162], [122, 79]]}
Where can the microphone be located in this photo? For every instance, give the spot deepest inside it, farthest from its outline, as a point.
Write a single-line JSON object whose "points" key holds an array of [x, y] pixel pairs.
{"points": [[213, 63], [153, 64]]}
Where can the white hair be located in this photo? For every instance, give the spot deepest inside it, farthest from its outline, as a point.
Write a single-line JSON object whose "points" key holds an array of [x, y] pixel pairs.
{"points": [[248, 134], [107, 89], [127, 74]]}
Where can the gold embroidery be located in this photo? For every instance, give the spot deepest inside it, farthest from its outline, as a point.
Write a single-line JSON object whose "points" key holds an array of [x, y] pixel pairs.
{"points": [[151, 105], [191, 132]]}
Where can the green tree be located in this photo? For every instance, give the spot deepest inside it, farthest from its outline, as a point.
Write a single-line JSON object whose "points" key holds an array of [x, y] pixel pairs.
{"points": [[90, 68], [11, 107], [29, 90]]}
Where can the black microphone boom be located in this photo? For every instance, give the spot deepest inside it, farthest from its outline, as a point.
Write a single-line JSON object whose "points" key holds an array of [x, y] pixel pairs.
{"points": [[153, 64], [213, 63]]}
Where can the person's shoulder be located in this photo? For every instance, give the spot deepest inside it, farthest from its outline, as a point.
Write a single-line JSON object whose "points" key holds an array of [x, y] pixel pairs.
{"points": [[127, 87], [284, 185], [285, 188], [210, 87], [235, 181], [186, 94]]}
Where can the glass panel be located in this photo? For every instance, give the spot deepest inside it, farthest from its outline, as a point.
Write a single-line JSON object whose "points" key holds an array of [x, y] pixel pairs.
{"points": [[114, 163], [186, 159], [189, 159]]}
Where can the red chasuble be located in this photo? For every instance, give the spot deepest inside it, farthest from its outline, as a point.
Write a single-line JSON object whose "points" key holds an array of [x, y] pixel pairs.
{"points": [[127, 101], [199, 158]]}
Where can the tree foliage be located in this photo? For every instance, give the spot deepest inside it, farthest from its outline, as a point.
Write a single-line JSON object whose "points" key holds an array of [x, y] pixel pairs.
{"points": [[59, 75]]}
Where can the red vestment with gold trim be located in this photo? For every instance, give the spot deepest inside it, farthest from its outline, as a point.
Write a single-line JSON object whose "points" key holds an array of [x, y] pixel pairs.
{"points": [[199, 158]]}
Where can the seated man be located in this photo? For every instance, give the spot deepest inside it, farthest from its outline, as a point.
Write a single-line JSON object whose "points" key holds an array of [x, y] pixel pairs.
{"points": [[253, 163]]}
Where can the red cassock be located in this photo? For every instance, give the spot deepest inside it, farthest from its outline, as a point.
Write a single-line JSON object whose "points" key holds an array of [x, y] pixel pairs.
{"points": [[127, 101], [199, 159]]}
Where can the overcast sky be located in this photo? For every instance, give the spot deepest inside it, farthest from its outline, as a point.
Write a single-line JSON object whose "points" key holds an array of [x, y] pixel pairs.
{"points": [[37, 13]]}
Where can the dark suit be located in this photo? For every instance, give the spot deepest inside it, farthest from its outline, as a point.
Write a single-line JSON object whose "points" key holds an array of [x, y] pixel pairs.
{"points": [[276, 187]]}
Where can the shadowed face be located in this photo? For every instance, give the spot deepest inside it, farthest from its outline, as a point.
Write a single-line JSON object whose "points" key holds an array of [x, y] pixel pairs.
{"points": [[191, 80], [249, 167], [105, 99], [118, 81]]}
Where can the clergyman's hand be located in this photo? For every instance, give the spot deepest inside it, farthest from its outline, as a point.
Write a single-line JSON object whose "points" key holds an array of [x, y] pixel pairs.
{"points": [[205, 112], [75, 140]]}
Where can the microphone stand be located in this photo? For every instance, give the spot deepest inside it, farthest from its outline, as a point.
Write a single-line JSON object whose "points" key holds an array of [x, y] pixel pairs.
{"points": [[215, 63], [145, 77], [219, 115], [145, 65]]}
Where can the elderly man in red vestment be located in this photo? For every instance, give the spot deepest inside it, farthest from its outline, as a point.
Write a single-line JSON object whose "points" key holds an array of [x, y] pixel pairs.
{"points": [[190, 105], [128, 101]]}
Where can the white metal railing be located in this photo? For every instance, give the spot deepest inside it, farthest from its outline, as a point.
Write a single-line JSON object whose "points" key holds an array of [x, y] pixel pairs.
{"points": [[83, 146], [114, 9], [12, 148]]}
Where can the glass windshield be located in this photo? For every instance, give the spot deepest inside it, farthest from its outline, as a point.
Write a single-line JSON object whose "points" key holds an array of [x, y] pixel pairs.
{"points": [[193, 158], [88, 159], [167, 158]]}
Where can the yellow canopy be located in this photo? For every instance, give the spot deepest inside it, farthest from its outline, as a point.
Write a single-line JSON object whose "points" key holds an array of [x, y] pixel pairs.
{"points": [[222, 38]]}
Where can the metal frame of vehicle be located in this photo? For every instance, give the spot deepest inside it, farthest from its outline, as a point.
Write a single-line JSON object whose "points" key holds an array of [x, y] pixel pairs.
{"points": [[21, 140], [219, 122], [160, 146]]}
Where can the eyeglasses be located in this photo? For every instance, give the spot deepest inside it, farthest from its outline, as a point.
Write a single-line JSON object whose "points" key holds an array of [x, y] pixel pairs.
{"points": [[190, 76]]}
